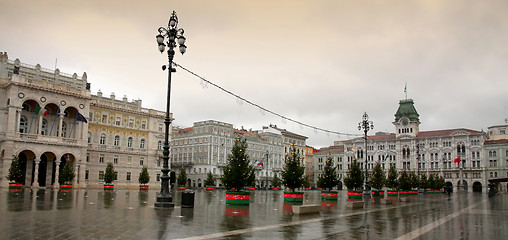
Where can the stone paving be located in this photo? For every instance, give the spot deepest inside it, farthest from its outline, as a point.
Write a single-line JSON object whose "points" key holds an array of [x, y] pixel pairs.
{"points": [[128, 214]]}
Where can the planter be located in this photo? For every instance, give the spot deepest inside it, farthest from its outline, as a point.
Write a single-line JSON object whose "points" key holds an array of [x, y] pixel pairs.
{"points": [[307, 189], [293, 197], [413, 192], [143, 188], [209, 188], [251, 188], [275, 188], [355, 194], [15, 186], [181, 188], [329, 195], [378, 193], [434, 191], [320, 189], [237, 198], [328, 203], [66, 187], [404, 192], [392, 193], [109, 187]]}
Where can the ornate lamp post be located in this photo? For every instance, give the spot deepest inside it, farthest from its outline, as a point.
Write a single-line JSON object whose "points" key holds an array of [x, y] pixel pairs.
{"points": [[171, 34], [366, 125]]}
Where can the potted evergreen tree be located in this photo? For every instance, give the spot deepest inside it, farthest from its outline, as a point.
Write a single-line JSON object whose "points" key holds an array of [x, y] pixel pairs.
{"points": [[109, 177], [182, 179], [378, 180], [66, 175], [276, 182], [292, 176], [209, 181], [237, 174], [16, 174], [392, 182], [328, 180], [354, 181], [423, 182], [404, 183], [143, 179]]}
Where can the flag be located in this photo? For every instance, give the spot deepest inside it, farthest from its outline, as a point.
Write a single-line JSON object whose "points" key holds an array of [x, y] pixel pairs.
{"points": [[46, 112], [457, 160], [386, 157], [37, 109], [80, 117], [405, 88], [260, 163]]}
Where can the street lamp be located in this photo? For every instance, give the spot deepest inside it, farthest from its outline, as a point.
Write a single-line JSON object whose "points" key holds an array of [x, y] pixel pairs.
{"points": [[171, 34], [267, 154], [366, 125]]}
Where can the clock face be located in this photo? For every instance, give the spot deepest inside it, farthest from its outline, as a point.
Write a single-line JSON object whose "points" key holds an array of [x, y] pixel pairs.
{"points": [[404, 122]]}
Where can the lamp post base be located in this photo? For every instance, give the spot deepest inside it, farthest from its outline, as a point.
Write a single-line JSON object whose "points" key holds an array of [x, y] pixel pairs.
{"points": [[164, 202]]}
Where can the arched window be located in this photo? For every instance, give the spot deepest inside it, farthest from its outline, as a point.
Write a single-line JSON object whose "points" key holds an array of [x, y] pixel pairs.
{"points": [[23, 125], [103, 139], [117, 140], [129, 142], [142, 143], [44, 129]]}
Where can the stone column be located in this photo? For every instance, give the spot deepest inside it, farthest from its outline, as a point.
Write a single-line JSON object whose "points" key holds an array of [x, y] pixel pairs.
{"points": [[39, 125], [18, 117], [76, 173], [36, 173], [60, 123], [57, 170]]}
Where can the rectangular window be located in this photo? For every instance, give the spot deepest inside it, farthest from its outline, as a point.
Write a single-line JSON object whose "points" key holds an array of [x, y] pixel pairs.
{"points": [[158, 179], [129, 160], [115, 159], [143, 125], [118, 121], [131, 123], [104, 118], [87, 157], [141, 161], [86, 174], [101, 175], [160, 127], [101, 158], [116, 175], [128, 177]]}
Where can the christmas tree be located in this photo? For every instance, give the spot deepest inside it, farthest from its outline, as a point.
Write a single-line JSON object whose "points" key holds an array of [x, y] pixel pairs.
{"points": [[144, 177], [16, 173], [329, 178], [109, 175], [404, 181], [276, 181], [392, 181], [354, 179], [209, 181], [378, 178], [66, 174], [238, 173], [292, 173], [424, 182], [182, 177], [414, 180]]}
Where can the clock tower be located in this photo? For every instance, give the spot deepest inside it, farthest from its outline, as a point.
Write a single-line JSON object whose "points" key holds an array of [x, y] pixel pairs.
{"points": [[407, 119]]}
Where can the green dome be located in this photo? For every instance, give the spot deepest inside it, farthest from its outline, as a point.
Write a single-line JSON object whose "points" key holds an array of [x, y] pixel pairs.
{"points": [[407, 109]]}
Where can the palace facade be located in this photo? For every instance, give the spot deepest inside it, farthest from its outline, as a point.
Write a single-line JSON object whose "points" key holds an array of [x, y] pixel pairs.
{"points": [[48, 118]]}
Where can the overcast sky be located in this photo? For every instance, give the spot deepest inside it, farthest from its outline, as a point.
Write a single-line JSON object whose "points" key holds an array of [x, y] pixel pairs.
{"points": [[323, 63]]}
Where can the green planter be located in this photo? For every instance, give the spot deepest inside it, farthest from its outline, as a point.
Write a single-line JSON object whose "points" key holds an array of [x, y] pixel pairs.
{"points": [[355, 194], [237, 198], [15, 186], [66, 187], [329, 195], [405, 192], [392, 193], [109, 187], [378, 193], [293, 197]]}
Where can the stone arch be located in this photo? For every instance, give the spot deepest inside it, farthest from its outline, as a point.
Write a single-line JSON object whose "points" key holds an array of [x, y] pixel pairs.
{"points": [[63, 160], [26, 158], [449, 185], [189, 182], [477, 187], [199, 182], [27, 117], [46, 169], [50, 119]]}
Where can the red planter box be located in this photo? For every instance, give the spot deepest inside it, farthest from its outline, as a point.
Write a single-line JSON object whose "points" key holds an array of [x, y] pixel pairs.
{"points": [[109, 188], [355, 194], [15, 185], [293, 196]]}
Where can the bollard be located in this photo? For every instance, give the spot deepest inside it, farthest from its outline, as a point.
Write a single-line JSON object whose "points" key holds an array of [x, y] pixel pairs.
{"points": [[188, 199]]}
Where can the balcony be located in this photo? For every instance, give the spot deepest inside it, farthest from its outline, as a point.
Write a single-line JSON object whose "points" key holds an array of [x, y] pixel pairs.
{"points": [[181, 164]]}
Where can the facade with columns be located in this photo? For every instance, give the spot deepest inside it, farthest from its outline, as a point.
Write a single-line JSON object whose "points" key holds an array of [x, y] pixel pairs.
{"points": [[42, 123]]}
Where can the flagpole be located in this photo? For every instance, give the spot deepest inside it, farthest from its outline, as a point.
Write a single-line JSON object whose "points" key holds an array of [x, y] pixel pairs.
{"points": [[56, 115], [70, 134], [30, 128]]}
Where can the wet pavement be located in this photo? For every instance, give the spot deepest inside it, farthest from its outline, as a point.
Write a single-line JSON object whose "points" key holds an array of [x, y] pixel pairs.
{"points": [[129, 214]]}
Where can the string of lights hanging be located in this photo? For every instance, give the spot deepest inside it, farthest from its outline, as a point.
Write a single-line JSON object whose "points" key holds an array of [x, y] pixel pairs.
{"points": [[263, 109]]}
